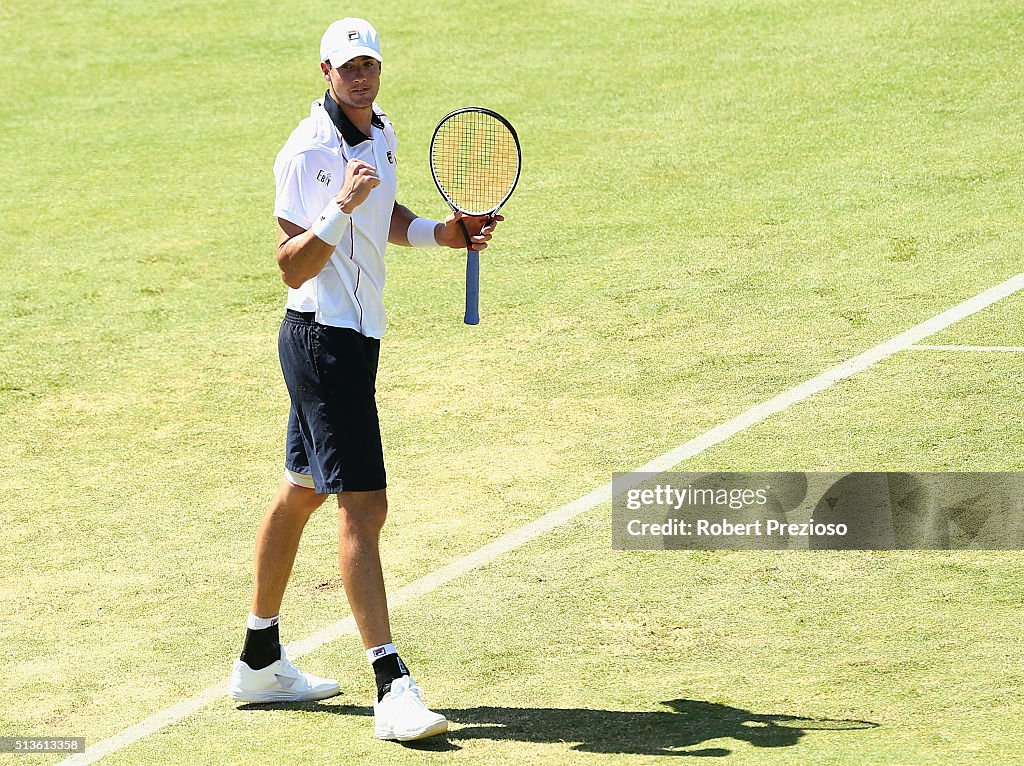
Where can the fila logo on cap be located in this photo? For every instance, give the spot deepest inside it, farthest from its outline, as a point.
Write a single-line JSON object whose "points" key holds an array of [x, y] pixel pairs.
{"points": [[353, 35]]}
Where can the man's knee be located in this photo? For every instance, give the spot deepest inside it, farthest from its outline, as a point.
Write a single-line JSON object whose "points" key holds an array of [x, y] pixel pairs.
{"points": [[362, 513], [298, 499]]}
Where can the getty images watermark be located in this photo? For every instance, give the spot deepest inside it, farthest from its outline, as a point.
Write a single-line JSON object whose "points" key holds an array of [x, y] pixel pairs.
{"points": [[779, 511]]}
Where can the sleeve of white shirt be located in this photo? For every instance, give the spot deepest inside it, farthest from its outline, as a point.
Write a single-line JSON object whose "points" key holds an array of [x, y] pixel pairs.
{"points": [[300, 196]]}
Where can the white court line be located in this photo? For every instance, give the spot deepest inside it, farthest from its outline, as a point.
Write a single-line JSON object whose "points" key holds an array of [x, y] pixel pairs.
{"points": [[566, 513], [925, 347]]}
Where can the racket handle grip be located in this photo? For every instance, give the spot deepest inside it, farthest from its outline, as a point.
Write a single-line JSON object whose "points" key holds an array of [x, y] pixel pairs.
{"points": [[472, 287]]}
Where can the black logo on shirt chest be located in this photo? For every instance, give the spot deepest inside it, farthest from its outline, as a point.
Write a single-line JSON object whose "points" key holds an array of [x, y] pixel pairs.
{"points": [[323, 177], [391, 158]]}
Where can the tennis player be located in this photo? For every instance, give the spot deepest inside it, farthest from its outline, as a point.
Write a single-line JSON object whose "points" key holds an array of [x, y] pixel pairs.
{"points": [[336, 211]]}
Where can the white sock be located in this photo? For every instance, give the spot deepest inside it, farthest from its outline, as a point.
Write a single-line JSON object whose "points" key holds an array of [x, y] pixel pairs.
{"points": [[259, 623], [376, 652]]}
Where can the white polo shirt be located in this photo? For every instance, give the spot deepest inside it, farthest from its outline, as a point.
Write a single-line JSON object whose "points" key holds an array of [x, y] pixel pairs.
{"points": [[310, 170]]}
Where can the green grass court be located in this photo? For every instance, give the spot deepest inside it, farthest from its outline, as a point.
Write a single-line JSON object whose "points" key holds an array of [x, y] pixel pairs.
{"points": [[719, 201]]}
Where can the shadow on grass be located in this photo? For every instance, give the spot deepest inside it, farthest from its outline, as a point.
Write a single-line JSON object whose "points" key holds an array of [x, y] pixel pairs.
{"points": [[685, 725]]}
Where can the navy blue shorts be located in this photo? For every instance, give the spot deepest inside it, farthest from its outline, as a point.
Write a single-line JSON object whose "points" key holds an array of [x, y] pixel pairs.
{"points": [[333, 442]]}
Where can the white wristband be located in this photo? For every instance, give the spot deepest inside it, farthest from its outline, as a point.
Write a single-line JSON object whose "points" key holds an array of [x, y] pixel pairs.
{"points": [[421, 232], [332, 224]]}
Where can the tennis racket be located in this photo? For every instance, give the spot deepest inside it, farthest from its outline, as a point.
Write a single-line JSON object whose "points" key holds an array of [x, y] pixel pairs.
{"points": [[475, 160]]}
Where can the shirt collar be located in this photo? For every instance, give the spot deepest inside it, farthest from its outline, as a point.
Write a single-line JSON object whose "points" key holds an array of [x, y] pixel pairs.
{"points": [[345, 126]]}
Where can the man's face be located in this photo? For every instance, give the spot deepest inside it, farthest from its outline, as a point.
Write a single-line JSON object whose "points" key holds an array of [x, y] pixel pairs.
{"points": [[354, 83]]}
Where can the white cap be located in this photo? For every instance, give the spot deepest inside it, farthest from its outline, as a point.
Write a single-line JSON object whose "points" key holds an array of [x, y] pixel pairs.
{"points": [[348, 38]]}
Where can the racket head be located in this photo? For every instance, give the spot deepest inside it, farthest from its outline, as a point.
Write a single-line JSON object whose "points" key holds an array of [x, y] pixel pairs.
{"points": [[475, 159]]}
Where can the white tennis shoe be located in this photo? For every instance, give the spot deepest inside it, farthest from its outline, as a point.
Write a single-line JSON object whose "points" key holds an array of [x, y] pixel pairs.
{"points": [[402, 714], [280, 681]]}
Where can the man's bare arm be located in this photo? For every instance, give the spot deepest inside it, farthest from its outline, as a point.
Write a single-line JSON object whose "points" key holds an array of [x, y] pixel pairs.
{"points": [[301, 255], [447, 233]]}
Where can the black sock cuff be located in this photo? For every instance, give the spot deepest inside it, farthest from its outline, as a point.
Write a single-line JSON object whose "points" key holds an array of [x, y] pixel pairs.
{"points": [[262, 647], [385, 670]]}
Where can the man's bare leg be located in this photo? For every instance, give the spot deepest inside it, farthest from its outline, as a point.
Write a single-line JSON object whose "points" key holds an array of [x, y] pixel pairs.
{"points": [[263, 673], [399, 712], [361, 517], [277, 542]]}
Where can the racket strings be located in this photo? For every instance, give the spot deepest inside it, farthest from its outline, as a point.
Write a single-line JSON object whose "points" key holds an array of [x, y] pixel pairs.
{"points": [[475, 161]]}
